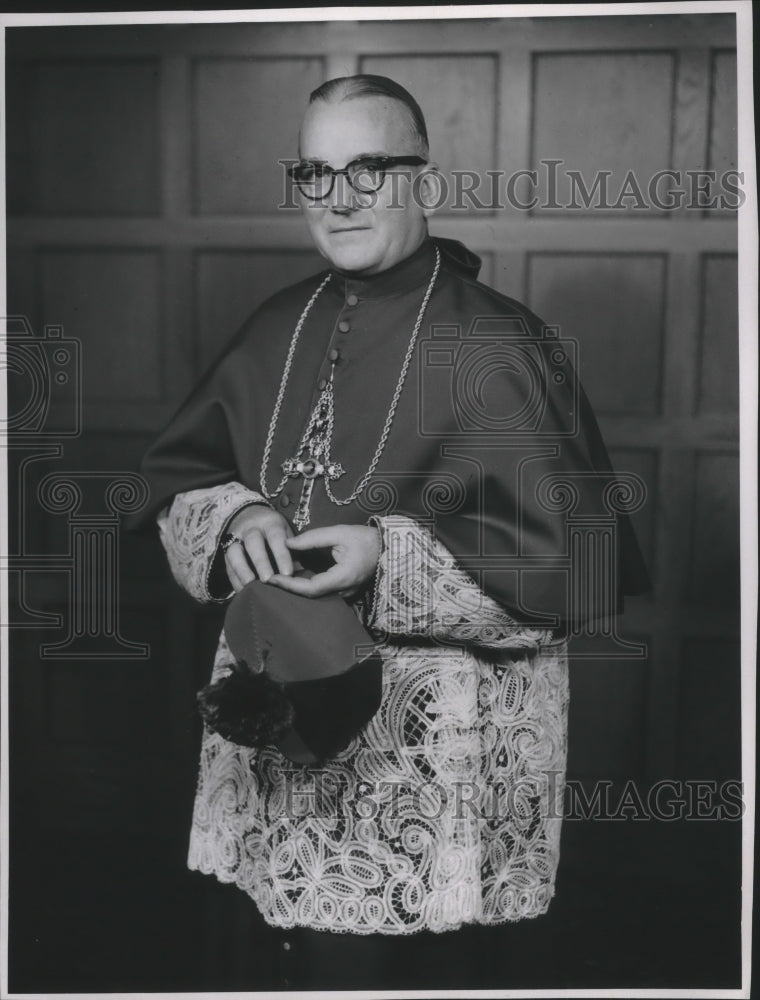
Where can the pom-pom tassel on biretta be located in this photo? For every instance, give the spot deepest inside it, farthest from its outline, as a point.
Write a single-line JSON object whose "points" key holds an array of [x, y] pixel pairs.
{"points": [[247, 708]]}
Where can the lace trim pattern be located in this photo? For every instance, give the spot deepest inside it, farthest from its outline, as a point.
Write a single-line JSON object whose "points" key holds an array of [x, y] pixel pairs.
{"points": [[446, 810], [420, 590], [191, 528]]}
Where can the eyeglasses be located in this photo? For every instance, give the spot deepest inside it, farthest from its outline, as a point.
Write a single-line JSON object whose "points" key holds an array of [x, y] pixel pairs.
{"points": [[365, 174]]}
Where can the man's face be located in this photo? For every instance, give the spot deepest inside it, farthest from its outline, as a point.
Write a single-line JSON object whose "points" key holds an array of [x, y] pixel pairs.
{"points": [[362, 233]]}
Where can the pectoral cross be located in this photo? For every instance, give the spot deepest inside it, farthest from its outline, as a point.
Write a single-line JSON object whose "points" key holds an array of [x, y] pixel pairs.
{"points": [[314, 464], [315, 449]]}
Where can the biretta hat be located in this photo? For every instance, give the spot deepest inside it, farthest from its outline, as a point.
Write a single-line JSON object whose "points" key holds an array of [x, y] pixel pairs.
{"points": [[306, 678]]}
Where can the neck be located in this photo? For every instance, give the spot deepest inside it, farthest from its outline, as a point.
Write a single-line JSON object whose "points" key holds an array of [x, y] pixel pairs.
{"points": [[411, 272], [371, 273]]}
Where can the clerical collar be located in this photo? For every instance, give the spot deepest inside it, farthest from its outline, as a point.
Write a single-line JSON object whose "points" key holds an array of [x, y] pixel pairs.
{"points": [[410, 273]]}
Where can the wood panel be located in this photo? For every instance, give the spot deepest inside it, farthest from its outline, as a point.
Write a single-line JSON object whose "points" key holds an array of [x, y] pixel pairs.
{"points": [[488, 274], [510, 269], [110, 300], [718, 357], [613, 306], [459, 97], [237, 102], [509, 35], [722, 140], [62, 161], [102, 704], [584, 115], [105, 725], [231, 284], [644, 463], [691, 111], [714, 577], [709, 744], [607, 719], [98, 452], [722, 154]]}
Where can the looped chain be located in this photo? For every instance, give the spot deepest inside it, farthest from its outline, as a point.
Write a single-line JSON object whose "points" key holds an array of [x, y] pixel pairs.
{"points": [[396, 396], [362, 484], [281, 396]]}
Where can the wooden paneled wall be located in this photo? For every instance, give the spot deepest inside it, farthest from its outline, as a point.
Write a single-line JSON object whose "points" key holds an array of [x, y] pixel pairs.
{"points": [[143, 193]]}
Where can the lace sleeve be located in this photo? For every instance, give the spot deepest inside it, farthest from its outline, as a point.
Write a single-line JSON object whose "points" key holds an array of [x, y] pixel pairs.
{"points": [[191, 529], [421, 591]]}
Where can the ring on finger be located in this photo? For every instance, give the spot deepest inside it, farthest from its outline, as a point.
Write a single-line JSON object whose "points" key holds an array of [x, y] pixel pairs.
{"points": [[228, 539]]}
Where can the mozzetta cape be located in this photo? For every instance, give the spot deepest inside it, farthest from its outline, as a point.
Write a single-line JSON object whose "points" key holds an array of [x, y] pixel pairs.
{"points": [[446, 809]]}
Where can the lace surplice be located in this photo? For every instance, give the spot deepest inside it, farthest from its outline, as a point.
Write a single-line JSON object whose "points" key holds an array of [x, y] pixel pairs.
{"points": [[446, 809]]}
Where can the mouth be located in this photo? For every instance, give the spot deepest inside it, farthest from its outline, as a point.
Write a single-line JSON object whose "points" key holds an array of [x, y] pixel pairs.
{"points": [[349, 229]]}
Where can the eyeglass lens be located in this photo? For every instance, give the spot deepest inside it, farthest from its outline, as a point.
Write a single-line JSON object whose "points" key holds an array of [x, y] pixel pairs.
{"points": [[317, 179]]}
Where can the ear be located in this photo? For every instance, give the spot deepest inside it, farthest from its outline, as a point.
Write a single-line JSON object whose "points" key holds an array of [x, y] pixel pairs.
{"points": [[430, 189]]}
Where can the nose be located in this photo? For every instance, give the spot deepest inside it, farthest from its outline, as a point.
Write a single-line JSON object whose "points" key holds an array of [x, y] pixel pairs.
{"points": [[342, 198]]}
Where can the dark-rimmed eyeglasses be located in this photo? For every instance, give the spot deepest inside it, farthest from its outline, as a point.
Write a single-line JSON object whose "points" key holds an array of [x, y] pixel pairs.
{"points": [[365, 174]]}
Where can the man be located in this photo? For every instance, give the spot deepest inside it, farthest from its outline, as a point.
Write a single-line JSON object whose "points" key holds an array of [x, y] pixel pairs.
{"points": [[332, 429]]}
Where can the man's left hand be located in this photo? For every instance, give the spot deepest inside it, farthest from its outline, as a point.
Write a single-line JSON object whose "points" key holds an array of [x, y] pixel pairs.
{"points": [[356, 550]]}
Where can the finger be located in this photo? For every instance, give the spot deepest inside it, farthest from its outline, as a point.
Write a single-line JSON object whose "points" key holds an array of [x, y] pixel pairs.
{"points": [[279, 550], [315, 538], [257, 553], [233, 577], [329, 582], [237, 561]]}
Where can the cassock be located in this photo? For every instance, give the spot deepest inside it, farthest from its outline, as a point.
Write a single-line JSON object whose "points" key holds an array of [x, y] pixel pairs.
{"points": [[447, 808]]}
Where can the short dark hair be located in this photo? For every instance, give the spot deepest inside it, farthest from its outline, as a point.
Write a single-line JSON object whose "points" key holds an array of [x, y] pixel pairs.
{"points": [[346, 88]]}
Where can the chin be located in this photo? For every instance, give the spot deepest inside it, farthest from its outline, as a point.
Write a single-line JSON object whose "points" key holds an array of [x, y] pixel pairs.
{"points": [[351, 259], [356, 251]]}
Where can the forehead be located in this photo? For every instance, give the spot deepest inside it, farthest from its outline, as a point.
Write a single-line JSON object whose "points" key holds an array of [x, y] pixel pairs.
{"points": [[338, 132]]}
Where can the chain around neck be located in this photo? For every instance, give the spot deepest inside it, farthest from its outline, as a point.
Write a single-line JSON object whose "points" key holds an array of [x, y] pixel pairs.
{"points": [[391, 411]]}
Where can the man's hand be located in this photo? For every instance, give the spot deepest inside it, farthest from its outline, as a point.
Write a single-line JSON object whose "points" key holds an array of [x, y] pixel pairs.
{"points": [[354, 547], [263, 534]]}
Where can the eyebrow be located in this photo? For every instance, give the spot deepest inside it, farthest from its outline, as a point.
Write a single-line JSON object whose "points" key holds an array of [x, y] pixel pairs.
{"points": [[359, 156]]}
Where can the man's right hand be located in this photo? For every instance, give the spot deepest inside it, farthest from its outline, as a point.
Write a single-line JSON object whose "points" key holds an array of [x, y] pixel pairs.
{"points": [[262, 551]]}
